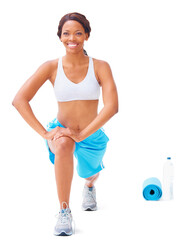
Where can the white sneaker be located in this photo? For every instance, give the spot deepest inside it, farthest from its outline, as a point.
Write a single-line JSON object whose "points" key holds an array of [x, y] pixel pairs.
{"points": [[64, 224], [89, 199]]}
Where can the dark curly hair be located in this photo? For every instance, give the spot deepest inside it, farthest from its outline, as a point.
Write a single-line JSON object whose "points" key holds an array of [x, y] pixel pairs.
{"points": [[76, 17]]}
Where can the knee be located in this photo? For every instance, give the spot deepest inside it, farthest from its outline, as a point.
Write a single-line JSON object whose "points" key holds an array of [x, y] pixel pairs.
{"points": [[64, 145]]}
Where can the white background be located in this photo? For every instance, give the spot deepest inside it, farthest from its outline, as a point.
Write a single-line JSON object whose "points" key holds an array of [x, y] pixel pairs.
{"points": [[141, 40]]}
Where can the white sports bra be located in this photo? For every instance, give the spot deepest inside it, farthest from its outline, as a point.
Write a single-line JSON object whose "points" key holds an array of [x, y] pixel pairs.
{"points": [[66, 90]]}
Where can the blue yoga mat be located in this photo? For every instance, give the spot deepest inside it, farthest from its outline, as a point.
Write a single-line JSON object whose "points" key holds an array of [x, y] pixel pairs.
{"points": [[152, 189]]}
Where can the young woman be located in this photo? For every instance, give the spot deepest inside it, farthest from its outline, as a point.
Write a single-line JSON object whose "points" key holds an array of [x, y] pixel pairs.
{"points": [[76, 79]]}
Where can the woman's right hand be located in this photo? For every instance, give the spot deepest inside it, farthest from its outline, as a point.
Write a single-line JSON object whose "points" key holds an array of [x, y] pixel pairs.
{"points": [[51, 134]]}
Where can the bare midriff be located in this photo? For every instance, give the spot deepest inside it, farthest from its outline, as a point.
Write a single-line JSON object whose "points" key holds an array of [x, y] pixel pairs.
{"points": [[77, 114]]}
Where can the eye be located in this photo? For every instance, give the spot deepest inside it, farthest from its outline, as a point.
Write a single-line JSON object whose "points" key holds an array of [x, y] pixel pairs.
{"points": [[65, 33], [79, 33]]}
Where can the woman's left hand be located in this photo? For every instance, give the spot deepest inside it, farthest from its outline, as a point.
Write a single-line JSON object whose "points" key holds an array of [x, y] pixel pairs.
{"points": [[67, 132]]}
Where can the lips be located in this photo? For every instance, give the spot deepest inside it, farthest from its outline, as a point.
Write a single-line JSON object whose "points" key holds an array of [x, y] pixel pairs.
{"points": [[72, 45]]}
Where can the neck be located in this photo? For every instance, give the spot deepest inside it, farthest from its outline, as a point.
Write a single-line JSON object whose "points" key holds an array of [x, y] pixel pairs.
{"points": [[75, 59]]}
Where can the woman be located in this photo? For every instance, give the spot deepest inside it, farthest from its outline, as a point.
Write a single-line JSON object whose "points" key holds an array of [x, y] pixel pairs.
{"points": [[76, 79]]}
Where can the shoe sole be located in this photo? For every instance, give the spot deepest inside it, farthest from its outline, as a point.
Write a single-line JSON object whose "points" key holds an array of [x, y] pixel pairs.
{"points": [[89, 209], [63, 234]]}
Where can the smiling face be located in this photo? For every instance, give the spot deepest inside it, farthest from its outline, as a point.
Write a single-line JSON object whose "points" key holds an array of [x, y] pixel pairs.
{"points": [[73, 36]]}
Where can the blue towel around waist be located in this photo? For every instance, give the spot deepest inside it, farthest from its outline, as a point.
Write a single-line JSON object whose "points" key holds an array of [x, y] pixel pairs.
{"points": [[152, 189]]}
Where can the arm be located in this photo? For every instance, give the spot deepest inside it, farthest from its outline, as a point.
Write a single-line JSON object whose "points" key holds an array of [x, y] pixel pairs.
{"points": [[110, 100], [27, 92]]}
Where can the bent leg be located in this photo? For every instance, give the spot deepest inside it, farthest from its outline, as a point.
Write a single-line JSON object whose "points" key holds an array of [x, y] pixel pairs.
{"points": [[63, 148]]}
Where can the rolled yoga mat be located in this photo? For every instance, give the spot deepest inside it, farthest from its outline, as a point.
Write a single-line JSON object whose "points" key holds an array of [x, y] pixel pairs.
{"points": [[152, 189]]}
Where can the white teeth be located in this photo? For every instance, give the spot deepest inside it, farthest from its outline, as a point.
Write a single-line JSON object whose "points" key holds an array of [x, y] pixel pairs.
{"points": [[72, 45]]}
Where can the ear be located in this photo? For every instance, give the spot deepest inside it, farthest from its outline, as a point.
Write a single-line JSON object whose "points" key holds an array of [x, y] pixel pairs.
{"points": [[86, 38]]}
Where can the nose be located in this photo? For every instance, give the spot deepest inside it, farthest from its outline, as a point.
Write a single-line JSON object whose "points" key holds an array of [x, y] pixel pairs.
{"points": [[72, 37]]}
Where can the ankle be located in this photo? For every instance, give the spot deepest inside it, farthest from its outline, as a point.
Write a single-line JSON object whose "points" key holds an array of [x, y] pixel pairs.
{"points": [[89, 185], [64, 205]]}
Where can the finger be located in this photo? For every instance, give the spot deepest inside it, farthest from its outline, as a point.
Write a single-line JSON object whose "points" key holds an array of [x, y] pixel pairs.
{"points": [[57, 136]]}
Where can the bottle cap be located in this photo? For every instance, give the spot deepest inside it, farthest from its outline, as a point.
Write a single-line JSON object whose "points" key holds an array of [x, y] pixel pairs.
{"points": [[168, 158]]}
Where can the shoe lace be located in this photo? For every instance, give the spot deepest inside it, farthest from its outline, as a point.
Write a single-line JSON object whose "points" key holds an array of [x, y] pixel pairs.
{"points": [[64, 217], [90, 197]]}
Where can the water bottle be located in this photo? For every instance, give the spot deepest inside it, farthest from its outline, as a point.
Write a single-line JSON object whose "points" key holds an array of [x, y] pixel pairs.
{"points": [[168, 176]]}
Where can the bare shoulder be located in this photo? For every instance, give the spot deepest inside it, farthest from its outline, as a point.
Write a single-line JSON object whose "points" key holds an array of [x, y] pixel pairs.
{"points": [[102, 71], [49, 68], [100, 63], [106, 80], [35, 81], [53, 63], [50, 65]]}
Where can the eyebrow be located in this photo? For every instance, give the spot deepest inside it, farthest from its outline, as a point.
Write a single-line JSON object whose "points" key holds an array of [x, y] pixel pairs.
{"points": [[75, 31]]}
